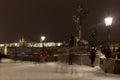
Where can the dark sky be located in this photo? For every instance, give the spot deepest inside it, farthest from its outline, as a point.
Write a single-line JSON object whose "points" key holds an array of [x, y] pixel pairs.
{"points": [[53, 18]]}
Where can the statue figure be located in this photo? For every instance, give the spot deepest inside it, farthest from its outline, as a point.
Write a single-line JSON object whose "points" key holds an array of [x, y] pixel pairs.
{"points": [[78, 17]]}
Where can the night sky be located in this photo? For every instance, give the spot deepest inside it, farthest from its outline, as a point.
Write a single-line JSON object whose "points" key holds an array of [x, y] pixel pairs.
{"points": [[53, 18]]}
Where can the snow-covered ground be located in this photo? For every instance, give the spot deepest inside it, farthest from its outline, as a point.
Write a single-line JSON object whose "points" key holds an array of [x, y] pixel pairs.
{"points": [[10, 70]]}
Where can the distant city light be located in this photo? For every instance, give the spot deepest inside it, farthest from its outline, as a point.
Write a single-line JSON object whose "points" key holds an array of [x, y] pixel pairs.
{"points": [[16, 44], [1, 45], [59, 44], [43, 38]]}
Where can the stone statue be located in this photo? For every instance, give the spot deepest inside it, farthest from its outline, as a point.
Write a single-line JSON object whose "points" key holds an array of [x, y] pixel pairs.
{"points": [[78, 17]]}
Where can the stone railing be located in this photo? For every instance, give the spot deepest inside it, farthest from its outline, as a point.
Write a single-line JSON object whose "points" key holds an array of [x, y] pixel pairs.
{"points": [[82, 59], [110, 65]]}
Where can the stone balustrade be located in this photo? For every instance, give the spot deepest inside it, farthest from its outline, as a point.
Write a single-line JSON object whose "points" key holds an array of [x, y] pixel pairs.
{"points": [[82, 59], [110, 65]]}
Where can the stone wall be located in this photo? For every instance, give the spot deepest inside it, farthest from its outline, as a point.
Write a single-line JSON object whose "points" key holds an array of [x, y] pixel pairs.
{"points": [[110, 65], [82, 59]]}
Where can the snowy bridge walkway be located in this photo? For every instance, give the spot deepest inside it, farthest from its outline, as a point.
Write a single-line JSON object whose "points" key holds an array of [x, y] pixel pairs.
{"points": [[10, 70]]}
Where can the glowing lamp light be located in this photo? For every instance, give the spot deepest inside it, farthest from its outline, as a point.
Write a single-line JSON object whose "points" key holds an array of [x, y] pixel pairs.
{"points": [[43, 38], [16, 44], [1, 45], [108, 21]]}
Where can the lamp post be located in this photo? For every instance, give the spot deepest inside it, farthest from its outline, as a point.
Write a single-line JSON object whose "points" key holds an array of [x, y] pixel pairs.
{"points": [[108, 22], [42, 40], [15, 46], [43, 53]]}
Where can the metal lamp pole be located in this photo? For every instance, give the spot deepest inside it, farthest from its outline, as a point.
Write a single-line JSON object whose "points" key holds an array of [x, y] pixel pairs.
{"points": [[43, 39], [108, 22]]}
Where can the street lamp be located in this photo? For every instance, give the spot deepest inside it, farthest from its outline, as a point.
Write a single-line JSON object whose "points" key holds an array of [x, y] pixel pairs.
{"points": [[42, 40], [108, 22]]}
